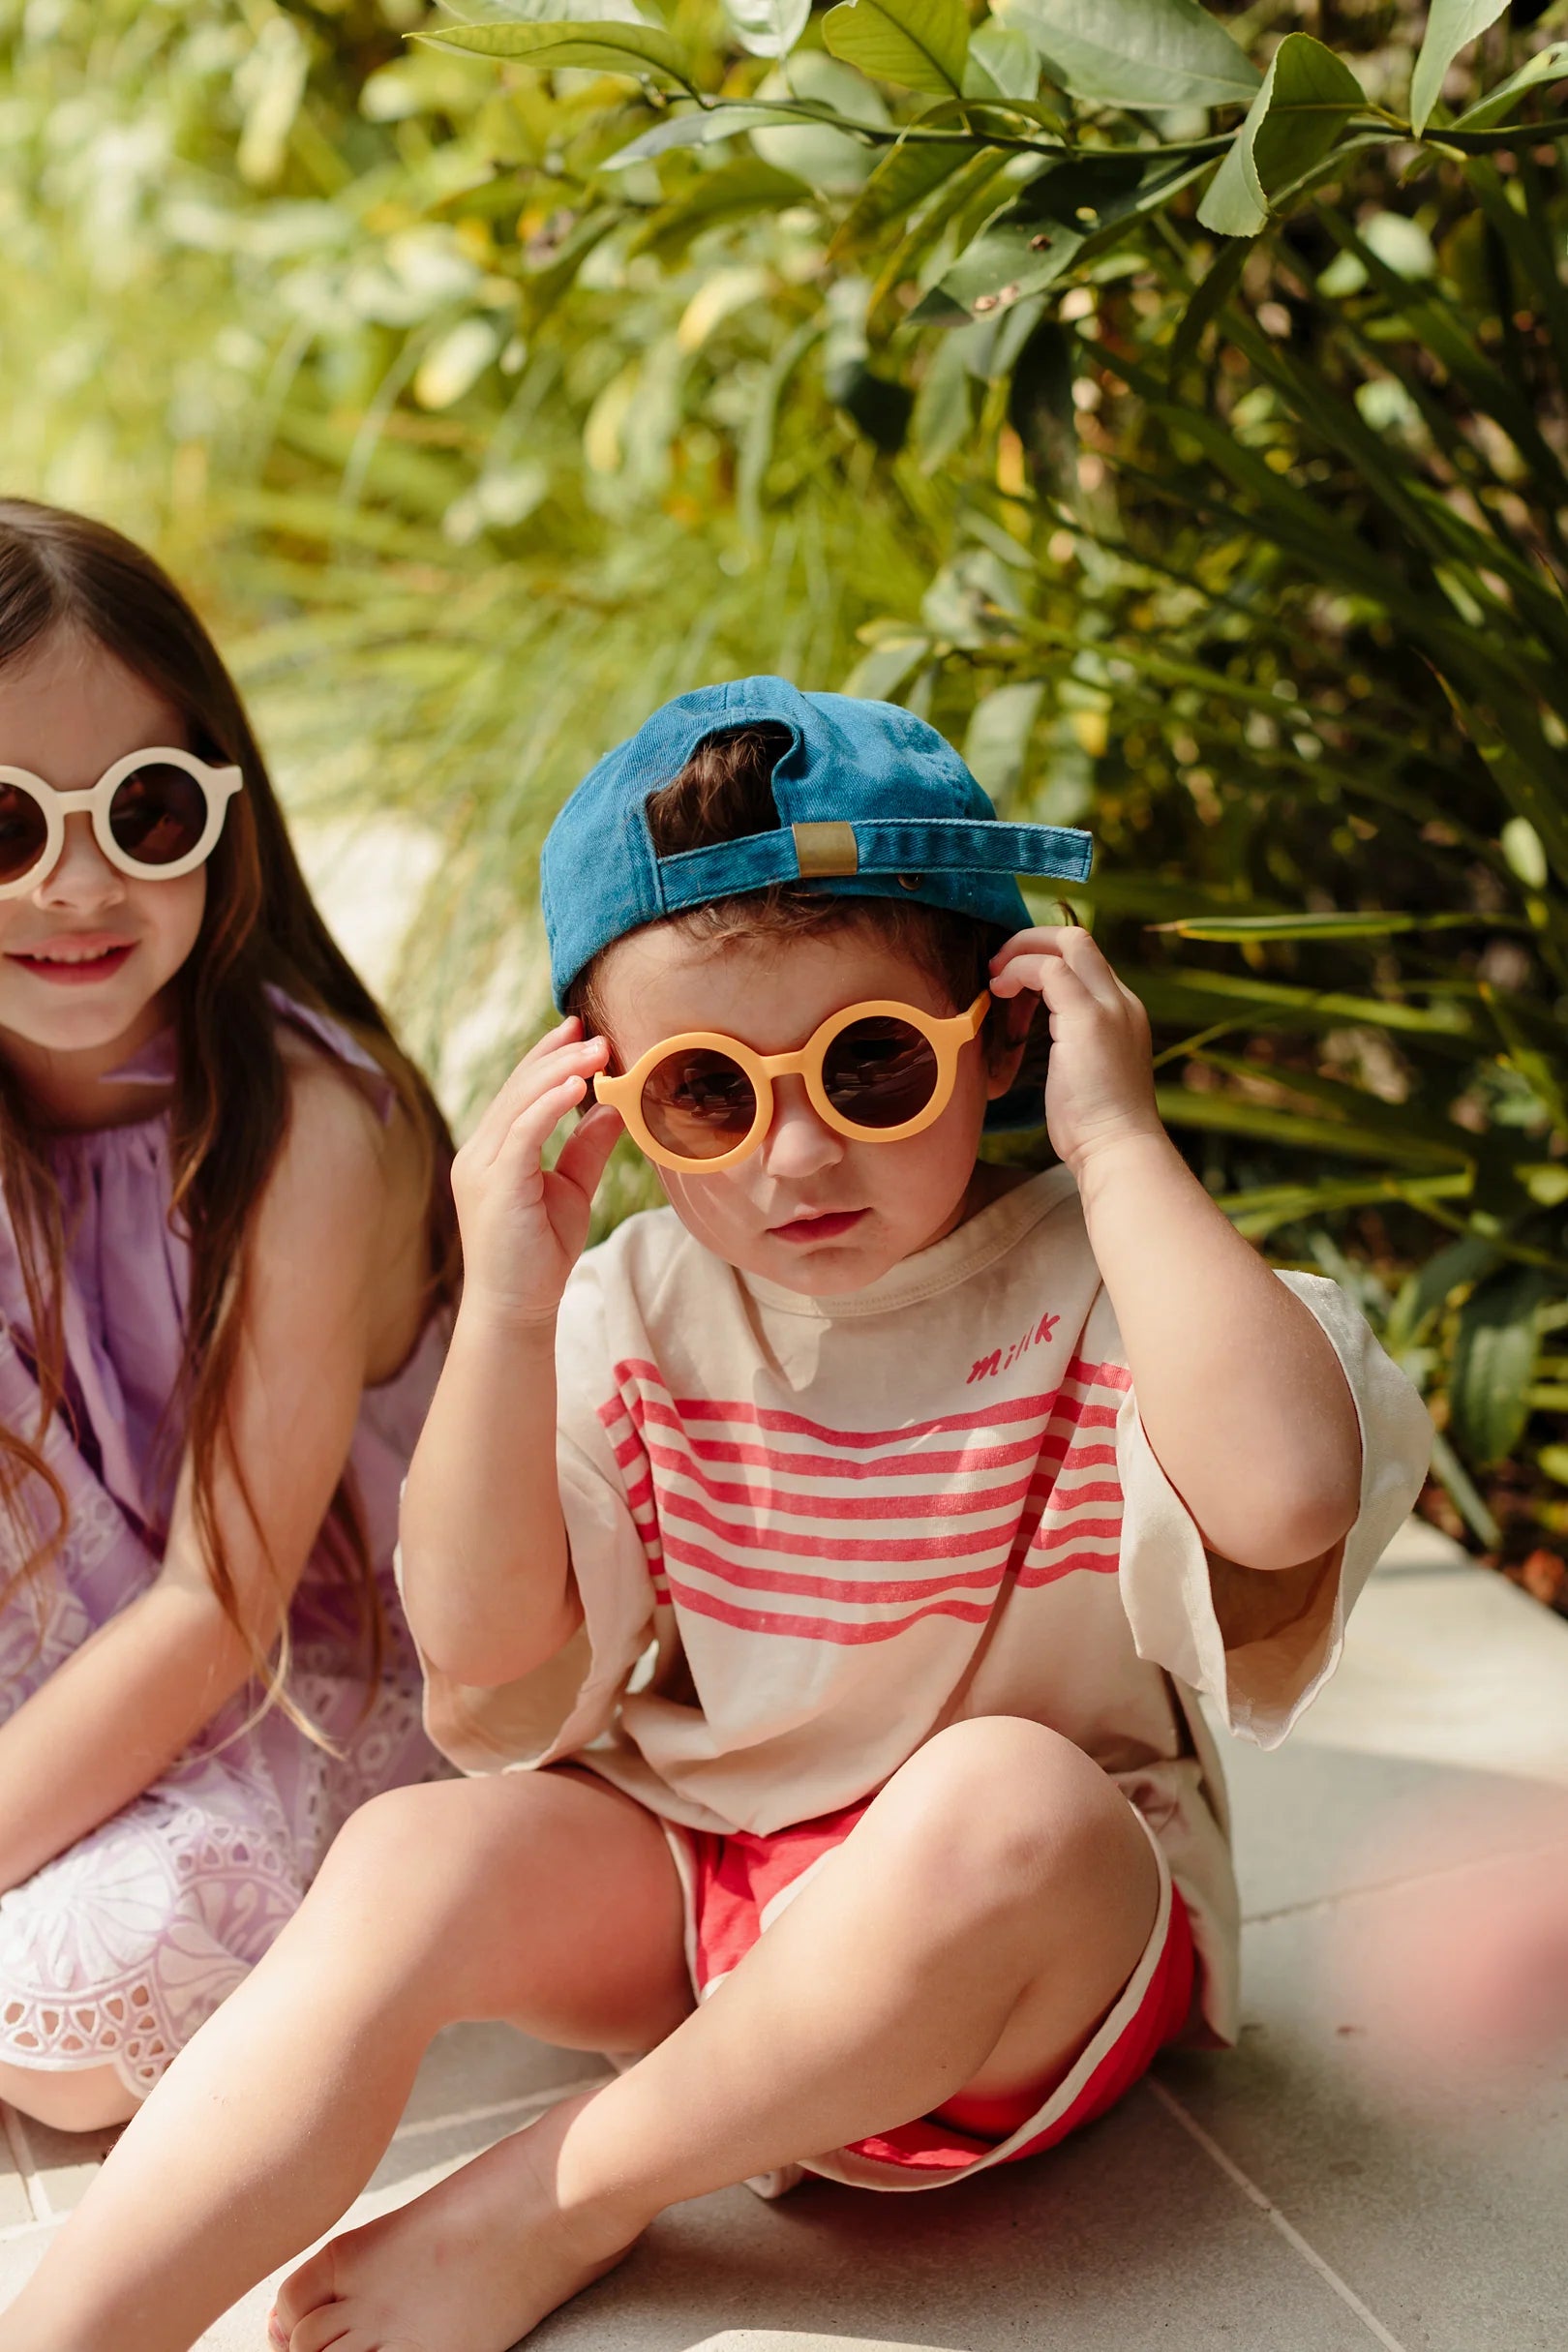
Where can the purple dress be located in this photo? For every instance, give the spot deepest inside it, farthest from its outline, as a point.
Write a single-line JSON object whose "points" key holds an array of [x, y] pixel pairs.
{"points": [[116, 1951]]}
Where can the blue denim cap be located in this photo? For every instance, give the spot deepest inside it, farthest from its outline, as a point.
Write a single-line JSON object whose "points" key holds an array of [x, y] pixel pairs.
{"points": [[872, 804]]}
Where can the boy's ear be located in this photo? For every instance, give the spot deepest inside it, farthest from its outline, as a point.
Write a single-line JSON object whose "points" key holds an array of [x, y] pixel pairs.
{"points": [[1006, 1035]]}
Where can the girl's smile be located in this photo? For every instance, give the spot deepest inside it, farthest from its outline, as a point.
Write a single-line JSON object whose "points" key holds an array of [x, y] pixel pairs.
{"points": [[73, 959]]}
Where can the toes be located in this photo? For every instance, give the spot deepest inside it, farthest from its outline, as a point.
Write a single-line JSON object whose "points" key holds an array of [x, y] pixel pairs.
{"points": [[301, 2293], [328, 2325]]}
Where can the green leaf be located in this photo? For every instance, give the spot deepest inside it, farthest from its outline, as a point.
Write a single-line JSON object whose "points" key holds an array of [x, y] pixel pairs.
{"points": [[1261, 1209], [1003, 62], [1547, 65], [1031, 241], [1369, 922], [963, 187], [613, 48], [1537, 1069], [1450, 25], [919, 44], [1426, 1292], [704, 126], [997, 743], [767, 28], [1137, 52], [1009, 259], [1234, 1115], [757, 446], [1039, 407], [732, 192], [1495, 1355], [1220, 283], [944, 403], [1308, 97], [1317, 1007], [902, 180], [878, 675], [1462, 1493]]}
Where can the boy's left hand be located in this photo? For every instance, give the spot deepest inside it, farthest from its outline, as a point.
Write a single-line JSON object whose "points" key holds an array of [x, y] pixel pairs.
{"points": [[1099, 1080]]}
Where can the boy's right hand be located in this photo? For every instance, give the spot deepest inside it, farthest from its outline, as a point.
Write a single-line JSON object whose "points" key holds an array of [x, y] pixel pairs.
{"points": [[524, 1226]]}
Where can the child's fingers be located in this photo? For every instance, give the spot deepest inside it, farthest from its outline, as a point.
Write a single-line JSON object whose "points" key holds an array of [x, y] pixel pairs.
{"points": [[585, 1154], [1066, 950], [503, 1107], [1052, 976], [521, 1151], [1069, 941], [1080, 955], [536, 1073]]}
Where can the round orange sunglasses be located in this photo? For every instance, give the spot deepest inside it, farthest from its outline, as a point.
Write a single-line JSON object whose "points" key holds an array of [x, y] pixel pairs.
{"points": [[876, 1071]]}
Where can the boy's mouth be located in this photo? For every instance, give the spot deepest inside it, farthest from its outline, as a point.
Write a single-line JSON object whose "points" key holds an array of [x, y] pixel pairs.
{"points": [[76, 960], [817, 1225]]}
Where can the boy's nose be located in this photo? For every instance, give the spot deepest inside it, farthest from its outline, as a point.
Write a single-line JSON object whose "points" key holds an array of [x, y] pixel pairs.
{"points": [[83, 879], [797, 1144]]}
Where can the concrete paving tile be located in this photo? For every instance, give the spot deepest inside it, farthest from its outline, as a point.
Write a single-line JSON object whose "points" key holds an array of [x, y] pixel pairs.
{"points": [[748, 2339], [19, 2258], [64, 2163], [1449, 1663], [1312, 1823], [1125, 2236], [471, 2067], [1433, 2188], [1443, 1740], [15, 2210]]}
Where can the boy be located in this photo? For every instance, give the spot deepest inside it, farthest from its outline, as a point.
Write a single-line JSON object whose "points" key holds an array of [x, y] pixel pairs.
{"points": [[838, 1550]]}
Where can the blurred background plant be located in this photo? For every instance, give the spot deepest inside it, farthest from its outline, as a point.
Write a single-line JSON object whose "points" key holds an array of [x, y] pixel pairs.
{"points": [[1168, 403]]}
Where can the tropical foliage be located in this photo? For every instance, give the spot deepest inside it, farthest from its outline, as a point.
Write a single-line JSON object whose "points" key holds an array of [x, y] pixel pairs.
{"points": [[1170, 405]]}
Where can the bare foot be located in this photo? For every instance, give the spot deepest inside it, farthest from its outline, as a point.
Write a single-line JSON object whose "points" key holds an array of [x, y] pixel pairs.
{"points": [[471, 2265]]}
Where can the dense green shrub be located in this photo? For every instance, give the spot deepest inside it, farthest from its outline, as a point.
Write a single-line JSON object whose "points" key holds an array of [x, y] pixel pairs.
{"points": [[1173, 410]]}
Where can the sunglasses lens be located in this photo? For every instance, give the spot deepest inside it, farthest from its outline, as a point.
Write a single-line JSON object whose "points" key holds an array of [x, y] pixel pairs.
{"points": [[880, 1072], [157, 814], [24, 833], [699, 1104]]}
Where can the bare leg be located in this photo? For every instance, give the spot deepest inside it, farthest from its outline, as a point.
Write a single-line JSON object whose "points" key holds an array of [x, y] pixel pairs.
{"points": [[981, 1919], [88, 2098], [544, 1897]]}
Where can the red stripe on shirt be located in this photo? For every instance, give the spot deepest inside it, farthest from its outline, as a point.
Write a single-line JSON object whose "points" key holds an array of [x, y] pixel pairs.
{"points": [[824, 1629], [849, 1590]]}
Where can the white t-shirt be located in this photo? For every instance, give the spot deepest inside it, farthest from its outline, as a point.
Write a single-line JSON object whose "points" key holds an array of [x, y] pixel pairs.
{"points": [[808, 1534]]}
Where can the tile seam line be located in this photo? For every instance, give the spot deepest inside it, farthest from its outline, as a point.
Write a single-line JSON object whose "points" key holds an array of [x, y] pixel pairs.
{"points": [[17, 2230], [1417, 1877], [22, 2155], [525, 2104], [1271, 2214]]}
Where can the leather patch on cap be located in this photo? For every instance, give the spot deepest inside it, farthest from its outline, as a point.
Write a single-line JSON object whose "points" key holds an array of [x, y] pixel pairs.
{"points": [[825, 848]]}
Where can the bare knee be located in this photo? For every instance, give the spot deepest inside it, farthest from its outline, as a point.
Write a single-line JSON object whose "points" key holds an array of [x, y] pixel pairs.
{"points": [[91, 2100], [998, 1813]]}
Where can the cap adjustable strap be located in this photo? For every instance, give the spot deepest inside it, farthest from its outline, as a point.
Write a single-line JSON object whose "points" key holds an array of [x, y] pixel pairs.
{"points": [[831, 848]]}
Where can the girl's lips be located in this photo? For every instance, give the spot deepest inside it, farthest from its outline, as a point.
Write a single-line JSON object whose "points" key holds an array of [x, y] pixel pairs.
{"points": [[827, 1227], [88, 960]]}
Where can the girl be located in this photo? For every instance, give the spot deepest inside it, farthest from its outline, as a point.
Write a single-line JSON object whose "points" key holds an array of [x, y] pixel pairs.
{"points": [[227, 1260]]}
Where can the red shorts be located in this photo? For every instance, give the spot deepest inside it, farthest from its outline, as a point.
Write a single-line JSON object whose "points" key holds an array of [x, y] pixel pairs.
{"points": [[736, 1886]]}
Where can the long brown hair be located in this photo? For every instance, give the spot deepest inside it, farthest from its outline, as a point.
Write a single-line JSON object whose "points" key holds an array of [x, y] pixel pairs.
{"points": [[230, 1112]]}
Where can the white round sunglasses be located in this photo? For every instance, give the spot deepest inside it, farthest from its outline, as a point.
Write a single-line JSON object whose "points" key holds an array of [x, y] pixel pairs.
{"points": [[156, 814]]}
